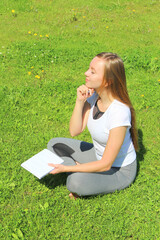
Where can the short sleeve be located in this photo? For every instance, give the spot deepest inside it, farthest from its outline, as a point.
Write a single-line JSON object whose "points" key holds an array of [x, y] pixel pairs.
{"points": [[120, 115], [91, 100]]}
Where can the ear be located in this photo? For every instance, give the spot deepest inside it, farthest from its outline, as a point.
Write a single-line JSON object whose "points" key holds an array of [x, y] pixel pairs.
{"points": [[108, 83], [104, 83]]}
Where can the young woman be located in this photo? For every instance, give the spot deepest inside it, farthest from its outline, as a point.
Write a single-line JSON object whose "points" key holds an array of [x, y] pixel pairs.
{"points": [[103, 105]]}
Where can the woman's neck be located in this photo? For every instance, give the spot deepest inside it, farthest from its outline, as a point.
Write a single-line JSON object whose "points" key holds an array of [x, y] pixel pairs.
{"points": [[104, 100]]}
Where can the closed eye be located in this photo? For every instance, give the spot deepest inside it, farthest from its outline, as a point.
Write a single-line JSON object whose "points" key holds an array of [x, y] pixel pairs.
{"points": [[92, 70]]}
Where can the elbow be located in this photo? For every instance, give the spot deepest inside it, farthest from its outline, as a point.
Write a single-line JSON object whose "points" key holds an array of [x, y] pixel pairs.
{"points": [[108, 168], [72, 133], [106, 164], [105, 169]]}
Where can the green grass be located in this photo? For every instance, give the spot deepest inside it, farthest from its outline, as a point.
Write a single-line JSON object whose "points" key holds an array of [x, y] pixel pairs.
{"points": [[38, 80]]}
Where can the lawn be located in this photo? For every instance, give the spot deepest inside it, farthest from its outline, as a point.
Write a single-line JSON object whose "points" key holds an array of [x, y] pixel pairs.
{"points": [[45, 48]]}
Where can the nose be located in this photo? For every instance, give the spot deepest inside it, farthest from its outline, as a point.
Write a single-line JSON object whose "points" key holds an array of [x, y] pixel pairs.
{"points": [[86, 73]]}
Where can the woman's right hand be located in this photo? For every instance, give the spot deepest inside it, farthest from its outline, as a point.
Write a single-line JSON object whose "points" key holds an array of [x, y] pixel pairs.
{"points": [[81, 110], [83, 92]]}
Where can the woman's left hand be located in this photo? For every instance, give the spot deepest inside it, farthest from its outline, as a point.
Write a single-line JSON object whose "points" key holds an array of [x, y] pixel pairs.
{"points": [[58, 168]]}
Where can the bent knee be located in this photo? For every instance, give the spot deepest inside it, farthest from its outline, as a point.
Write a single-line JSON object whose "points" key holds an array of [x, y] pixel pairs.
{"points": [[52, 142], [76, 183]]}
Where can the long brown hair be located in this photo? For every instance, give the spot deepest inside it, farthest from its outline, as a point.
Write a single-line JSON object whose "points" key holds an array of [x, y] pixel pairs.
{"points": [[115, 76]]}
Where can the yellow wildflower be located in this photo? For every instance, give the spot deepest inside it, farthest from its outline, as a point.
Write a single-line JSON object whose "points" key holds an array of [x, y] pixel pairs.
{"points": [[41, 36], [159, 80], [37, 76], [107, 27], [13, 11], [84, 16], [29, 32], [35, 34], [32, 67], [42, 71], [134, 10], [29, 73], [142, 95], [47, 35]]}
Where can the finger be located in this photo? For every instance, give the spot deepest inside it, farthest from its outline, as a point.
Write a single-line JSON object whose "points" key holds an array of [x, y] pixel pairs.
{"points": [[51, 164], [91, 91], [85, 90], [53, 172]]}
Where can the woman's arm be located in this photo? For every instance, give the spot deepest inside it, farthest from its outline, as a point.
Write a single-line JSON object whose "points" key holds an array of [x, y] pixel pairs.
{"points": [[81, 111], [115, 141]]}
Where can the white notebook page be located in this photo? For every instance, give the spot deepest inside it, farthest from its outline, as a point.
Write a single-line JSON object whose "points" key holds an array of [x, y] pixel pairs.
{"points": [[38, 164]]}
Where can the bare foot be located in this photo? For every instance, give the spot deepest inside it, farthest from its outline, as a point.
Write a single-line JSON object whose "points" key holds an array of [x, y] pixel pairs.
{"points": [[73, 196]]}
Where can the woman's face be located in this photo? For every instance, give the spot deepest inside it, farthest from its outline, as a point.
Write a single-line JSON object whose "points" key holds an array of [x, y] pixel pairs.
{"points": [[95, 73]]}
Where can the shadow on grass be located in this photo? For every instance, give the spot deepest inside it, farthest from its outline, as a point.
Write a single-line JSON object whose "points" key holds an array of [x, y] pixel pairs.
{"points": [[142, 150], [52, 181]]}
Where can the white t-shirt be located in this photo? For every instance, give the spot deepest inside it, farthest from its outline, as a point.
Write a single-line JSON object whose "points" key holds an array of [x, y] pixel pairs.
{"points": [[117, 115]]}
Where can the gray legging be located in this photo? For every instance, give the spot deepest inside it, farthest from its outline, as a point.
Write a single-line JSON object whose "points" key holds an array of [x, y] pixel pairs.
{"points": [[85, 184]]}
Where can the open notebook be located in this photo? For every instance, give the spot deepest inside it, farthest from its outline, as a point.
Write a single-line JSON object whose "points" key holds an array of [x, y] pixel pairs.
{"points": [[38, 164]]}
